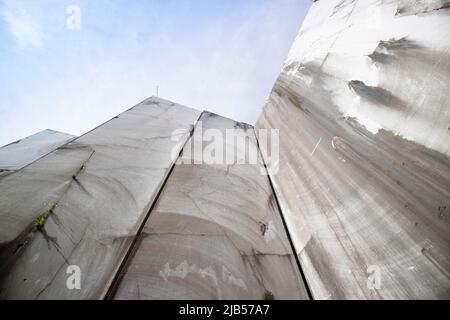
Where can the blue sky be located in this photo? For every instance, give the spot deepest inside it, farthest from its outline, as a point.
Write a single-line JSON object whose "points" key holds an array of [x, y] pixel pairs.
{"points": [[219, 55]]}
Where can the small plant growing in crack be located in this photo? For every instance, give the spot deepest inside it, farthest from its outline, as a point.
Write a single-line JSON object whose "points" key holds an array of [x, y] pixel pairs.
{"points": [[40, 221]]}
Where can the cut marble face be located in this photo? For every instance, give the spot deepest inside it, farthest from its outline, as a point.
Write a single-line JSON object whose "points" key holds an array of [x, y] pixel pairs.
{"points": [[91, 195], [362, 106], [215, 233], [362, 181], [17, 155]]}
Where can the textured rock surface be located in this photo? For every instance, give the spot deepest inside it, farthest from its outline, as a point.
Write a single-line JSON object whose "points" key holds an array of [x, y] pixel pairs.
{"points": [[17, 155], [215, 233], [385, 63], [362, 106], [356, 195], [94, 193]]}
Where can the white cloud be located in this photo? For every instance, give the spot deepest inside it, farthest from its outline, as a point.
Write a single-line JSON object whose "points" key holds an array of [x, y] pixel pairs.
{"points": [[23, 25]]}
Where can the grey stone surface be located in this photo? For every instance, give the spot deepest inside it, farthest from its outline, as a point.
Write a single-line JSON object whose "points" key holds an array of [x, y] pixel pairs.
{"points": [[362, 106], [94, 193], [17, 155], [215, 232]]}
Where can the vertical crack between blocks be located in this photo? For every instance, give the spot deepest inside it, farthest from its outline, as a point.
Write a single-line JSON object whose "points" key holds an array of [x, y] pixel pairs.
{"points": [[291, 242]]}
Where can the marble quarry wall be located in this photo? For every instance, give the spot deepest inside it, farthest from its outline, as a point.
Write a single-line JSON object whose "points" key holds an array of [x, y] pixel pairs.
{"points": [[83, 203], [355, 205], [363, 108], [142, 215], [215, 232]]}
